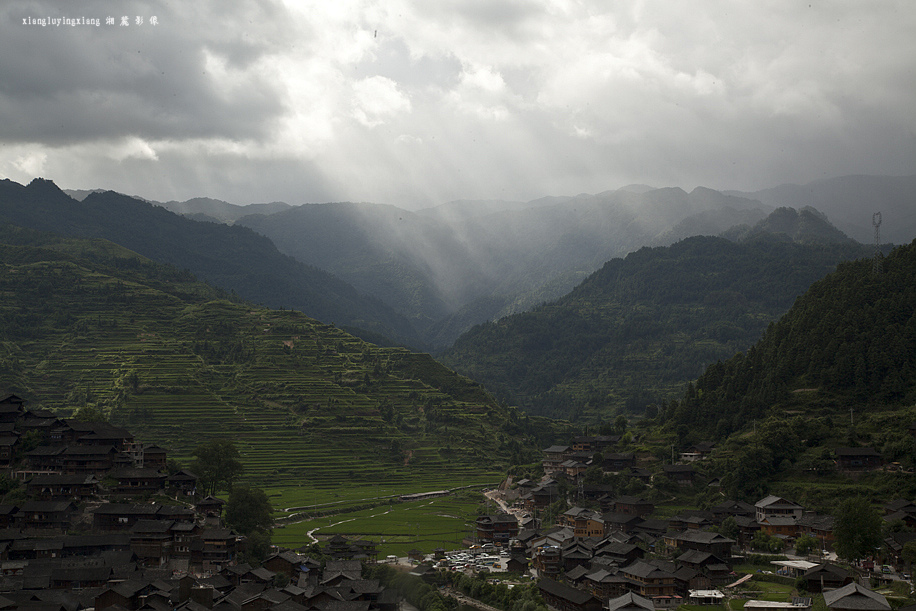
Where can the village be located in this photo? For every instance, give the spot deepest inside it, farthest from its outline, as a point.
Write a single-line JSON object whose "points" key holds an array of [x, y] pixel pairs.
{"points": [[88, 477], [82, 538], [622, 556]]}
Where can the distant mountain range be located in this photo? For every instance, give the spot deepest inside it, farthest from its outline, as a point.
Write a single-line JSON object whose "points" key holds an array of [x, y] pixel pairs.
{"points": [[233, 258], [850, 201], [446, 268], [462, 263]]}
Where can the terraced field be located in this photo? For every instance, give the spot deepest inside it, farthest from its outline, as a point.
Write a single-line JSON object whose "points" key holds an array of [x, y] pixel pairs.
{"points": [[307, 404]]}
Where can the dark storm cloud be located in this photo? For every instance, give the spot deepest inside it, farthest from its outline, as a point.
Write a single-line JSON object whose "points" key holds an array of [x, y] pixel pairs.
{"points": [[194, 75], [414, 102]]}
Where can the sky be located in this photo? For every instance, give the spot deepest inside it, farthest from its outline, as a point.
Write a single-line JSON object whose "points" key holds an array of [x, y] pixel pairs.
{"points": [[415, 103]]}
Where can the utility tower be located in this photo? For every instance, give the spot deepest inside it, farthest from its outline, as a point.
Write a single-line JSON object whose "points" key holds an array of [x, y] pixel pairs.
{"points": [[876, 221]]}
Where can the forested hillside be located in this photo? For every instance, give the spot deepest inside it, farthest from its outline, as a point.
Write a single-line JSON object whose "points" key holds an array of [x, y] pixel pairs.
{"points": [[637, 330], [90, 327], [231, 257], [848, 342]]}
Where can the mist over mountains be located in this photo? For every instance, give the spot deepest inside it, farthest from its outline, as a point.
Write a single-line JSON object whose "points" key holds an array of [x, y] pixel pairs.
{"points": [[449, 267], [850, 201], [232, 258], [443, 269]]}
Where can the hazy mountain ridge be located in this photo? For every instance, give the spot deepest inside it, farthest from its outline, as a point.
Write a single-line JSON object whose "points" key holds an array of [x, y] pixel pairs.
{"points": [[805, 226], [850, 201], [218, 210], [448, 267], [642, 326], [232, 257], [444, 266]]}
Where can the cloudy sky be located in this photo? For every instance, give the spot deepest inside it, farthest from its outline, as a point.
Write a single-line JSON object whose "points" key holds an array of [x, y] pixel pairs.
{"points": [[415, 103]]}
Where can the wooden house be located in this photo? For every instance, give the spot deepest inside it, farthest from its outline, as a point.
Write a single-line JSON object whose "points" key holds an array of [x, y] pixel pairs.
{"points": [[133, 481], [122, 516], [776, 506], [8, 445], [94, 459], [649, 581], [818, 526], [853, 597], [683, 475], [554, 456], [154, 458], [11, 408], [499, 528], [566, 598], [633, 505], [858, 459], [630, 602], [703, 541], [184, 483], [62, 487], [825, 577], [44, 515]]}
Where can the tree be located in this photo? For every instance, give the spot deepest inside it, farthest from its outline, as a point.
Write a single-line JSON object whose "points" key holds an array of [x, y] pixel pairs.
{"points": [[909, 553], [805, 544], [90, 413], [729, 528], [172, 466], [766, 543], [248, 511], [856, 529], [217, 465]]}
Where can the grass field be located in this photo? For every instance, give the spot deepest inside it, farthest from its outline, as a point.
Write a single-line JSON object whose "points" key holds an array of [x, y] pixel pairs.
{"points": [[397, 528], [288, 500]]}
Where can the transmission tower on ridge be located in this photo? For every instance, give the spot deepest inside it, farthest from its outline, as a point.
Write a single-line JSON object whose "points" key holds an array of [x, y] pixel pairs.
{"points": [[876, 221]]}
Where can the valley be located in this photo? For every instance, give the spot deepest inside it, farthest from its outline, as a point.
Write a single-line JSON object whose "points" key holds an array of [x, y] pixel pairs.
{"points": [[624, 388]]}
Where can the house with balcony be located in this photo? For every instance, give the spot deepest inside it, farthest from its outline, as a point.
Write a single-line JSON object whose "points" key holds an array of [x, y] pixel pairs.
{"points": [[776, 506], [499, 528]]}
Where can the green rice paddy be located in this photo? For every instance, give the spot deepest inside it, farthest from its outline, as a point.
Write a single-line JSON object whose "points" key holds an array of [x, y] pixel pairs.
{"points": [[397, 528]]}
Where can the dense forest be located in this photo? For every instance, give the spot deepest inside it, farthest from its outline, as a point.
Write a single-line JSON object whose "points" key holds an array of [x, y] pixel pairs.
{"points": [[634, 332], [850, 340]]}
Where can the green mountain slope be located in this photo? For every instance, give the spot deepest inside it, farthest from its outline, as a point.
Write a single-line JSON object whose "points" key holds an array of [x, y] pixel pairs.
{"points": [[639, 328], [850, 340], [90, 323], [805, 226], [234, 258]]}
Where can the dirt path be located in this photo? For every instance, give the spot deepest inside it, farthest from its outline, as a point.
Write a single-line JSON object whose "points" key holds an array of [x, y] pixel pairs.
{"points": [[313, 539]]}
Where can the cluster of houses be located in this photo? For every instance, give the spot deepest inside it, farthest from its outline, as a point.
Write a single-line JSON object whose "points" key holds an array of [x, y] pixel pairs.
{"points": [[83, 533], [574, 459], [851, 597], [286, 581], [593, 557]]}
